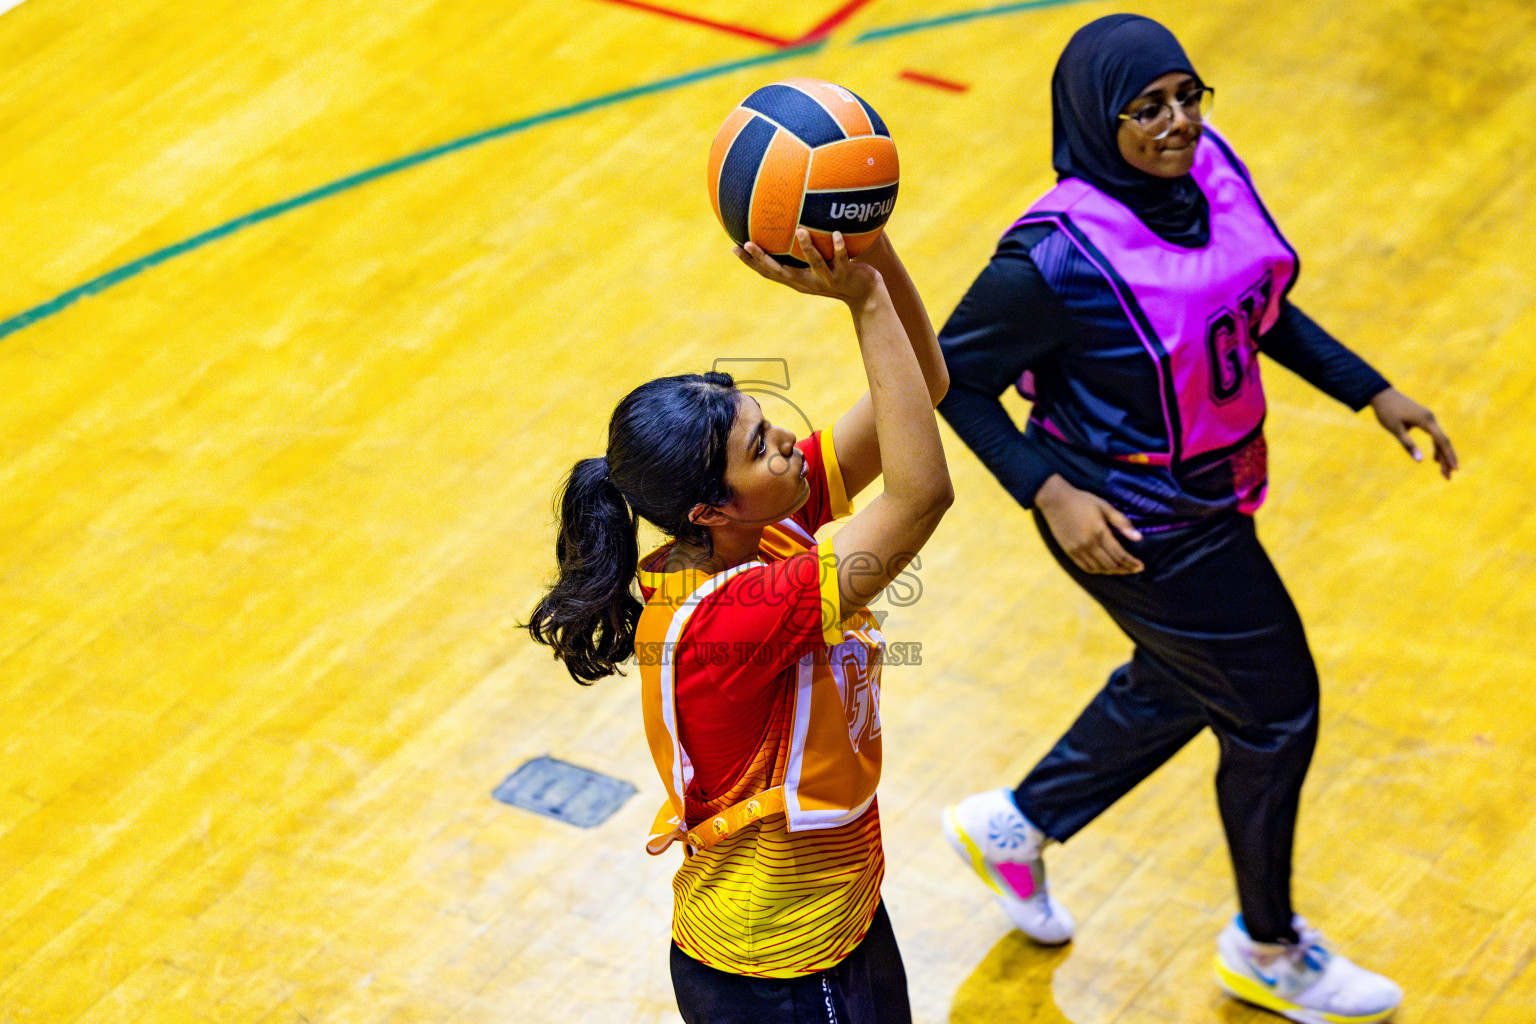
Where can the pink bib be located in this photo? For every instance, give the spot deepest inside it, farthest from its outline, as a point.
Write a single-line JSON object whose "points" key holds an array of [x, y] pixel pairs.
{"points": [[1197, 312]]}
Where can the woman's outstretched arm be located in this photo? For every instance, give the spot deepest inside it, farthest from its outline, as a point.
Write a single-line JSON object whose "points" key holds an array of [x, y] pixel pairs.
{"points": [[877, 543]]}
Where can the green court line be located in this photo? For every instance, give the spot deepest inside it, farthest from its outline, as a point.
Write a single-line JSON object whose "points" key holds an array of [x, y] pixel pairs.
{"points": [[956, 18], [154, 259], [159, 256]]}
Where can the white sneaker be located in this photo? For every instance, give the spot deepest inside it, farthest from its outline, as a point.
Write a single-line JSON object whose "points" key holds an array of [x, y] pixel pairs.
{"points": [[1304, 981], [999, 843]]}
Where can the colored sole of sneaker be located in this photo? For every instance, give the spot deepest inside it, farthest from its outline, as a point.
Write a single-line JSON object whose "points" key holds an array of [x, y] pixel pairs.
{"points": [[1015, 881], [1242, 987], [966, 847]]}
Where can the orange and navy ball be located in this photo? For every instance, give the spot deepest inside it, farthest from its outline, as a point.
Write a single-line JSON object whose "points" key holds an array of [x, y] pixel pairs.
{"points": [[803, 153]]}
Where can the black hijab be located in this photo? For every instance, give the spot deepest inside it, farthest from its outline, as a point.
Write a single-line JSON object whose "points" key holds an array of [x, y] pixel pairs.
{"points": [[1105, 65]]}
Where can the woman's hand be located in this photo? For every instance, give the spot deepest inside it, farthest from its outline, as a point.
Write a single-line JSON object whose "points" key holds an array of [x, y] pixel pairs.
{"points": [[1084, 525], [1396, 412], [844, 279]]}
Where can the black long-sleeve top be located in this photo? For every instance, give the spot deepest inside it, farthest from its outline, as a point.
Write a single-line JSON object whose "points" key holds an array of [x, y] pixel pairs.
{"points": [[1010, 321]]}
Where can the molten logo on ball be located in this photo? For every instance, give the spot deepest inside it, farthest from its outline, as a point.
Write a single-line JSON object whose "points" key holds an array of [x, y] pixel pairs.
{"points": [[861, 211]]}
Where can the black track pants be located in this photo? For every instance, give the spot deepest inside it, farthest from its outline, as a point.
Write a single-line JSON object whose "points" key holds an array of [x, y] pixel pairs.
{"points": [[869, 986], [1218, 644]]}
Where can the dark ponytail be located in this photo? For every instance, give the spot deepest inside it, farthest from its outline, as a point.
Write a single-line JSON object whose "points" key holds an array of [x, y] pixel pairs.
{"points": [[589, 615], [666, 454]]}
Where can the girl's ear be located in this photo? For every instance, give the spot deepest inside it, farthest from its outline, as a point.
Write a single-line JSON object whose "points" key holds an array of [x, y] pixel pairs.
{"points": [[706, 515]]}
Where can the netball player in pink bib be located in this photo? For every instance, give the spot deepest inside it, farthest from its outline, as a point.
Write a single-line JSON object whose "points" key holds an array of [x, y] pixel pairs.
{"points": [[1130, 304]]}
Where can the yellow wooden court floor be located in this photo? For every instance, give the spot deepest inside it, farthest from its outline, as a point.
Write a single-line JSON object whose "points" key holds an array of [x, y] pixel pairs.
{"points": [[307, 308]]}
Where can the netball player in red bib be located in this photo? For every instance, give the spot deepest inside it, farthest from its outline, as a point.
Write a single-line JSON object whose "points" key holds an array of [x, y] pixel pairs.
{"points": [[759, 664]]}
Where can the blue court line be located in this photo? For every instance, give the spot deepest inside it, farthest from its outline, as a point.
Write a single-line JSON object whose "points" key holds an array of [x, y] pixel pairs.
{"points": [[957, 17], [154, 259]]}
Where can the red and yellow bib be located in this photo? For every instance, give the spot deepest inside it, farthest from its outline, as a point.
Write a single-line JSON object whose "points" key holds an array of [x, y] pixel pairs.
{"points": [[783, 873]]}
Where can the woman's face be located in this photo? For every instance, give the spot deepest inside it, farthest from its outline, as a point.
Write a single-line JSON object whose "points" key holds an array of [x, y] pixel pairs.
{"points": [[1174, 154], [763, 469]]}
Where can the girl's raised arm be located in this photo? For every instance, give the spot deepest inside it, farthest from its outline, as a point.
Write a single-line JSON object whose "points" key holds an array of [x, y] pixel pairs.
{"points": [[891, 529]]}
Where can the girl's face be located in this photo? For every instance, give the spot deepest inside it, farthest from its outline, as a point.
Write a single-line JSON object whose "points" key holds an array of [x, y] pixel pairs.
{"points": [[1173, 155], [763, 469]]}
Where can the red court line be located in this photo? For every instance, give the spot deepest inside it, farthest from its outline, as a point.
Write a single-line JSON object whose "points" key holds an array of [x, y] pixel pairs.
{"points": [[937, 83], [832, 20], [719, 26]]}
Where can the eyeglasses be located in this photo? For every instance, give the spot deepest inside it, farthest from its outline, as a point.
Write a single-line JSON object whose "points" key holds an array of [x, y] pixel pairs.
{"points": [[1156, 118]]}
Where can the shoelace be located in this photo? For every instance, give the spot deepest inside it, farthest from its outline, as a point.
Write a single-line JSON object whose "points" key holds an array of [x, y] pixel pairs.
{"points": [[1306, 959], [1310, 951]]}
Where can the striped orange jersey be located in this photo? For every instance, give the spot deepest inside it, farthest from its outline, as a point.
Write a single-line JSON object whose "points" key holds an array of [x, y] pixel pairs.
{"points": [[762, 713]]}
